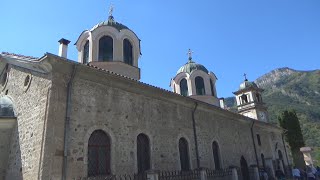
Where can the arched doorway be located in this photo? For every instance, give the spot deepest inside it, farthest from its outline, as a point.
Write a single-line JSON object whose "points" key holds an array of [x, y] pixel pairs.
{"points": [[143, 153], [244, 169], [99, 154]]}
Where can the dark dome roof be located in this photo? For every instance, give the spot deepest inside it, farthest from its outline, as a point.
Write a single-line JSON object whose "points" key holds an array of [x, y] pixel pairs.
{"points": [[247, 84], [110, 22], [191, 66], [6, 107]]}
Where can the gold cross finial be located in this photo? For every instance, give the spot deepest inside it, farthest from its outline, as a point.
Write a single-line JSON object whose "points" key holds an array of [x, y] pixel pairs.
{"points": [[190, 54], [111, 10]]}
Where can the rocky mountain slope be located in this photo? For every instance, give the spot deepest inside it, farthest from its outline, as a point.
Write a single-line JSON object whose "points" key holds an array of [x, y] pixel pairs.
{"points": [[286, 88]]}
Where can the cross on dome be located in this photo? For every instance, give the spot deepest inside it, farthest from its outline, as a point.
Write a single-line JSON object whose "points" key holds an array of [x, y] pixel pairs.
{"points": [[111, 10], [245, 77], [190, 54]]}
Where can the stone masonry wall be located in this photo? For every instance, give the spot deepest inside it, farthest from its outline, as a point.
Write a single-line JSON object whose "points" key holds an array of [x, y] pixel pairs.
{"points": [[123, 116], [30, 109], [5, 135], [124, 111]]}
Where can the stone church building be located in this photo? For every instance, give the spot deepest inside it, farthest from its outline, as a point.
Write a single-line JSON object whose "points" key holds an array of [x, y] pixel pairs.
{"points": [[62, 119]]}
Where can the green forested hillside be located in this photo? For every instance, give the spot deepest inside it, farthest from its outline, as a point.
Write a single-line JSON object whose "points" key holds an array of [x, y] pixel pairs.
{"points": [[290, 89]]}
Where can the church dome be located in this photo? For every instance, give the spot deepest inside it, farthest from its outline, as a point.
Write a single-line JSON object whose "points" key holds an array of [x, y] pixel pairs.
{"points": [[192, 66], [110, 22], [247, 84], [6, 107]]}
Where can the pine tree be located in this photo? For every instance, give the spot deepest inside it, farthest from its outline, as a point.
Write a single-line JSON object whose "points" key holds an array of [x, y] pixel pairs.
{"points": [[289, 121]]}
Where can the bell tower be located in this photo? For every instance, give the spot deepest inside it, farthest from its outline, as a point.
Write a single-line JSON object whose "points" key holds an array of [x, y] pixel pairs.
{"points": [[249, 101]]}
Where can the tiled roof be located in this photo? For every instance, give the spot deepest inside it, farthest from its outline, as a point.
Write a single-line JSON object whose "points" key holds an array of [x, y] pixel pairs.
{"points": [[111, 72], [18, 56]]}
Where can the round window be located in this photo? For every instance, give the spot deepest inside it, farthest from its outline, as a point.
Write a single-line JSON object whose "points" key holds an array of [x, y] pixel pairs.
{"points": [[27, 80]]}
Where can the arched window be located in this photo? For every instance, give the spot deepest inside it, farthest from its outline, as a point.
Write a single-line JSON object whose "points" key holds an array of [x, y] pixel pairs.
{"points": [[6, 107], [143, 153], [263, 161], [184, 154], [244, 99], [200, 86], [258, 139], [212, 87], [99, 154], [127, 52], [244, 168], [85, 57], [216, 155], [184, 87], [105, 49]]}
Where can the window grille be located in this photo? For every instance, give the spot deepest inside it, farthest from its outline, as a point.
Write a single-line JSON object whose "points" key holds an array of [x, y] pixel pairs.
{"points": [[99, 154]]}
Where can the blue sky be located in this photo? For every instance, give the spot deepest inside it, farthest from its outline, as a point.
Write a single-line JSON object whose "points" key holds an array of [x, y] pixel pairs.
{"points": [[229, 37]]}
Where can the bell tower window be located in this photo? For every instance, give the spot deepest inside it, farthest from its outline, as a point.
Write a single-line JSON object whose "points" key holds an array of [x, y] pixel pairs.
{"points": [[184, 87], [85, 58], [105, 49], [244, 99], [127, 52], [199, 86]]}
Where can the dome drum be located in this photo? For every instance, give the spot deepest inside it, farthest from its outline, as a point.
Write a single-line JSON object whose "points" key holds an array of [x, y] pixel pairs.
{"points": [[195, 81], [112, 46]]}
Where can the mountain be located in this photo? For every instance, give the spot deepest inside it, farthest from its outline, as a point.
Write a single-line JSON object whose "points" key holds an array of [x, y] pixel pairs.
{"points": [[285, 88]]}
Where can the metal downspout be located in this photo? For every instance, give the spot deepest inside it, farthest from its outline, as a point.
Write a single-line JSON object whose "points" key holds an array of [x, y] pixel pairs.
{"points": [[195, 134], [254, 144], [67, 123]]}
